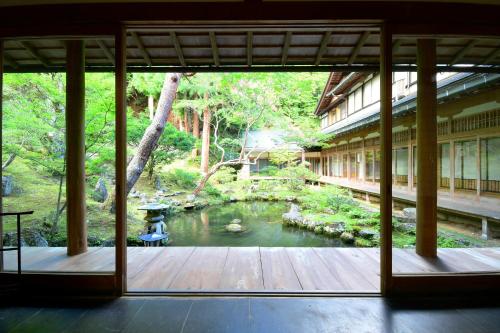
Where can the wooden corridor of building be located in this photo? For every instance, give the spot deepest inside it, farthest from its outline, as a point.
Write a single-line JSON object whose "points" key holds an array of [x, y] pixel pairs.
{"points": [[488, 209], [255, 268]]}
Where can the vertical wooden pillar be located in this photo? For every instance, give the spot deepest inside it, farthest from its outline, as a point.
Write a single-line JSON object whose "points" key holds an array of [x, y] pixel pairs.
{"points": [[426, 148], [75, 147], [452, 168], [410, 161], [363, 161], [374, 158], [385, 159], [121, 159], [320, 165], [478, 168], [1, 146]]}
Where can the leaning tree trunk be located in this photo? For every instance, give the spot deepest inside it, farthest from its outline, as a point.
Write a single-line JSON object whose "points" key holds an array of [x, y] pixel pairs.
{"points": [[205, 143], [196, 131], [150, 137], [154, 131]]}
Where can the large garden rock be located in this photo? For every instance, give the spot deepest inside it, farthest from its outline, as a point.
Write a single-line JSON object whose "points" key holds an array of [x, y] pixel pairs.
{"points": [[236, 221], [367, 234], [10, 239], [233, 227], [334, 229], [407, 228], [100, 193], [293, 217], [410, 213], [347, 237], [7, 185]]}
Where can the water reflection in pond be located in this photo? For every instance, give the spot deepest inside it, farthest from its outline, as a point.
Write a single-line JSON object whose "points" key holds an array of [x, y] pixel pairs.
{"points": [[260, 220]]}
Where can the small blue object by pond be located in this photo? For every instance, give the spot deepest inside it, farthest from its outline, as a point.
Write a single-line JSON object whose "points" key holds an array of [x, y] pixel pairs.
{"points": [[261, 221], [153, 237]]}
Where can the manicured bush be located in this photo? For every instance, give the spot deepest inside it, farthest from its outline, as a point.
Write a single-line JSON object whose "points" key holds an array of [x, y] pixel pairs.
{"points": [[182, 178]]}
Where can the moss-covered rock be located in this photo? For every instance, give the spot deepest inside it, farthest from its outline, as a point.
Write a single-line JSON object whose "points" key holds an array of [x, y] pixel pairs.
{"points": [[347, 237]]}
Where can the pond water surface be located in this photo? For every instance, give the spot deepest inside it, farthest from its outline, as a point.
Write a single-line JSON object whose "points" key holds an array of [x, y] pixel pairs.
{"points": [[261, 221]]}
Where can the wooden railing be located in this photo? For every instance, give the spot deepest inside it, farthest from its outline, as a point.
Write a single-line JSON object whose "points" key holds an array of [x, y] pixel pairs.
{"points": [[490, 186], [477, 121], [465, 184]]}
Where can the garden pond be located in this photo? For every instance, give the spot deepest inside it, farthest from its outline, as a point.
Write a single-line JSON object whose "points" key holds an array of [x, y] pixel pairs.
{"points": [[260, 220]]}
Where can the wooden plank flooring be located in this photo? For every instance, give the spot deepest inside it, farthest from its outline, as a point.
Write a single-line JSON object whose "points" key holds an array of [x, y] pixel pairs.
{"points": [[256, 268]]}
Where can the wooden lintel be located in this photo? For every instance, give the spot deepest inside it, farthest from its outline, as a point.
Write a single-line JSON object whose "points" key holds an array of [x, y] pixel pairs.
{"points": [[141, 47], [31, 50], [106, 51], [460, 54], [215, 49], [322, 47], [361, 41], [286, 46], [178, 48], [249, 48]]}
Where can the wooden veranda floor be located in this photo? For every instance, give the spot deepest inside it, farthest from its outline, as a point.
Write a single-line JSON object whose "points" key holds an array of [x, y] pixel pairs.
{"points": [[256, 268]]}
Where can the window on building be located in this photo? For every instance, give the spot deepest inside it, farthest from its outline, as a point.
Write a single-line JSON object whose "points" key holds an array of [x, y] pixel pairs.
{"points": [[490, 165], [444, 165], [376, 89], [377, 166], [414, 165], [367, 93], [413, 77], [358, 99], [350, 104], [369, 166], [324, 120], [359, 159], [465, 165], [401, 165], [343, 110]]}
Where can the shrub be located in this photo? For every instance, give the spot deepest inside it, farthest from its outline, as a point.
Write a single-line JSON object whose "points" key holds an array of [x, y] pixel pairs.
{"points": [[182, 178], [212, 190], [270, 170], [223, 176]]}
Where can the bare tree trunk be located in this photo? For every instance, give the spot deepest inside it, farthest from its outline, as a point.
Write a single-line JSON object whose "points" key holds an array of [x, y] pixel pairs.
{"points": [[181, 124], [205, 144], [9, 161], [187, 126], [196, 131], [59, 210], [151, 107], [154, 131]]}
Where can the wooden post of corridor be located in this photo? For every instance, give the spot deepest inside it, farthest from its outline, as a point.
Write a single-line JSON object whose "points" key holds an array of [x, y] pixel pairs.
{"points": [[75, 147], [426, 148]]}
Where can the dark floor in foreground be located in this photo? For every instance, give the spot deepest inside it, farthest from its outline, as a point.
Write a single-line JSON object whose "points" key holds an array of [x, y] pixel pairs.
{"points": [[163, 314]]}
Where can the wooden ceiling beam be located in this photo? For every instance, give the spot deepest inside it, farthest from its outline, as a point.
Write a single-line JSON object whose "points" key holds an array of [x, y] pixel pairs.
{"points": [[106, 51], [141, 47], [7, 60], [395, 45], [322, 47], [249, 48], [460, 54], [178, 48], [286, 46], [215, 49], [494, 54], [361, 41], [31, 50]]}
